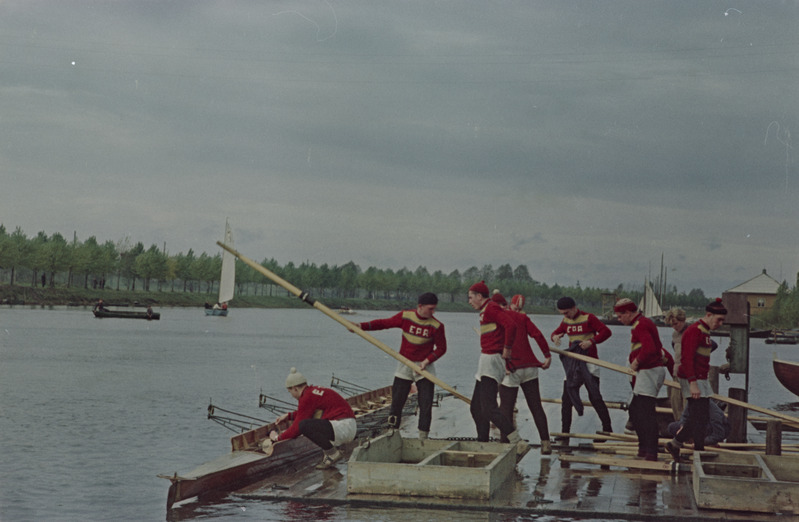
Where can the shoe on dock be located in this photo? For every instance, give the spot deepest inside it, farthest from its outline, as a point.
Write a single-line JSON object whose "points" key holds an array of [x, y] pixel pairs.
{"points": [[546, 447], [673, 447], [330, 459]]}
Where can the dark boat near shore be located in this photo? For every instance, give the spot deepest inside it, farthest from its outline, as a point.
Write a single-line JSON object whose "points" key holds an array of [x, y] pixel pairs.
{"points": [[754, 333], [247, 463], [783, 338], [787, 373], [127, 314]]}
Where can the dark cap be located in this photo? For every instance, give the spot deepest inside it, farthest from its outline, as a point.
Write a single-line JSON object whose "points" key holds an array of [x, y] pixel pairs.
{"points": [[427, 298], [564, 303], [716, 307]]}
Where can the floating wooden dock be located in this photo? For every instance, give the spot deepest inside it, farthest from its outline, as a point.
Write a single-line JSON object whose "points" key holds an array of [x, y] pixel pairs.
{"points": [[539, 485], [392, 465], [763, 483]]}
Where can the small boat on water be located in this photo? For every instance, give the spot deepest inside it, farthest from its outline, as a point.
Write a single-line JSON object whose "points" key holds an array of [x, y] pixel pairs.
{"points": [[787, 373], [101, 313], [247, 463], [227, 279], [778, 337]]}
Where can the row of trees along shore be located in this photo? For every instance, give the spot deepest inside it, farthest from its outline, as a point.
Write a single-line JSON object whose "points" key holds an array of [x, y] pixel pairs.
{"points": [[51, 261]]}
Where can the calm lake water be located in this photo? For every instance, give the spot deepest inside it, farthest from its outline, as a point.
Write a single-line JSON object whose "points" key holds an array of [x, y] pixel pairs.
{"points": [[93, 409]]}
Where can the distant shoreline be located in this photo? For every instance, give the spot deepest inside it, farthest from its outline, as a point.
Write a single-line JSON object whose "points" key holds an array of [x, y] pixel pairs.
{"points": [[26, 296]]}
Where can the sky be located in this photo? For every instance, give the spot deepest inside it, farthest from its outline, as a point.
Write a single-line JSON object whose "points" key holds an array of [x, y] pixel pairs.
{"points": [[584, 140]]}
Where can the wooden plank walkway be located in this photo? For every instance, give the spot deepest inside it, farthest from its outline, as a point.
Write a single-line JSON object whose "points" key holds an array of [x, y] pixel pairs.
{"points": [[542, 484]]}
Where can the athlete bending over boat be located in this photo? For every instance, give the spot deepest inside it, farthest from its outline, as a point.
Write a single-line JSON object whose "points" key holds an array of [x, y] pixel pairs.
{"points": [[423, 342], [322, 415]]}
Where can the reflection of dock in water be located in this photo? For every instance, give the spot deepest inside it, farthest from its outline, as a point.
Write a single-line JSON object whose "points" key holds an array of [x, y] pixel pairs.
{"points": [[541, 484]]}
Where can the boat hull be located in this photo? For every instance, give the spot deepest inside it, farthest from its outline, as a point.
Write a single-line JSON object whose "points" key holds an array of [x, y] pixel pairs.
{"points": [[788, 374], [246, 463], [218, 311], [126, 314]]}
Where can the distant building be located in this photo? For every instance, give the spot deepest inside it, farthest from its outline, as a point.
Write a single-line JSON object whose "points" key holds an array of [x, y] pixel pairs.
{"points": [[761, 292]]}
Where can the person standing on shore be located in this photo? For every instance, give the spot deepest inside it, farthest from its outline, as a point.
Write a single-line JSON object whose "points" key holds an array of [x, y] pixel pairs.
{"points": [[522, 372], [587, 331], [322, 415], [497, 334], [646, 358], [423, 342], [693, 376]]}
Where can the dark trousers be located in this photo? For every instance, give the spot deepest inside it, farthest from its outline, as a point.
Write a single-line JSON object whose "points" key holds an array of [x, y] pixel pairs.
{"points": [[697, 423], [319, 431], [596, 401], [644, 419], [507, 401], [399, 394], [485, 410]]}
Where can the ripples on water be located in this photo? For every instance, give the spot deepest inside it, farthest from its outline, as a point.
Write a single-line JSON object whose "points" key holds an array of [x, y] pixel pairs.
{"points": [[92, 410]]}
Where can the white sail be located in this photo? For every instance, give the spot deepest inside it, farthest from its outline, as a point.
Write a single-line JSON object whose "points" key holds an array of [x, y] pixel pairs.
{"points": [[649, 305], [228, 279]]}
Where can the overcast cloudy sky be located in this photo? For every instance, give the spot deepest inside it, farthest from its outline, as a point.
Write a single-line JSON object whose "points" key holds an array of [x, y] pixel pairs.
{"points": [[582, 139]]}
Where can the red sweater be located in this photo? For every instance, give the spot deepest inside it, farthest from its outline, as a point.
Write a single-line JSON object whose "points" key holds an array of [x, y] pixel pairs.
{"points": [[583, 327], [522, 355], [497, 328], [646, 346], [421, 338], [315, 398], [695, 354]]}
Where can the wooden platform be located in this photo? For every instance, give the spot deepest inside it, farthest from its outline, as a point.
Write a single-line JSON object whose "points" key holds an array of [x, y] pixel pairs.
{"points": [[763, 483], [540, 484], [392, 465]]}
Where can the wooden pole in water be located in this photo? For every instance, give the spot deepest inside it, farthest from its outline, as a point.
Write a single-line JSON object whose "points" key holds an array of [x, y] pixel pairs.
{"points": [[347, 324], [793, 421]]}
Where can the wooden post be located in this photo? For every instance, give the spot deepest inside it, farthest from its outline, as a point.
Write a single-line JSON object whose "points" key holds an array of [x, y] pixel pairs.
{"points": [[737, 416], [713, 378], [773, 437]]}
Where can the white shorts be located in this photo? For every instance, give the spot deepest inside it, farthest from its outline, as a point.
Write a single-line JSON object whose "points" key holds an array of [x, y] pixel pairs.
{"points": [[648, 382], [520, 376], [344, 430], [491, 365], [403, 371], [704, 388]]}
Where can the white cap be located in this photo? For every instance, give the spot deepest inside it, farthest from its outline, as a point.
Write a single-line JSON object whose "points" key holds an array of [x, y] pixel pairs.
{"points": [[295, 378]]}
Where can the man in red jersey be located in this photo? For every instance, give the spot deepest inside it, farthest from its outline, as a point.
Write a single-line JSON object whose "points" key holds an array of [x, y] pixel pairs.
{"points": [[692, 374], [583, 328], [646, 358], [322, 415], [522, 371], [497, 333], [423, 342]]}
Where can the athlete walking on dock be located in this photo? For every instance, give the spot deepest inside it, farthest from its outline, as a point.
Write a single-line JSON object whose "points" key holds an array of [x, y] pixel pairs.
{"points": [[693, 376], [497, 333], [423, 342], [587, 331], [646, 358], [522, 372]]}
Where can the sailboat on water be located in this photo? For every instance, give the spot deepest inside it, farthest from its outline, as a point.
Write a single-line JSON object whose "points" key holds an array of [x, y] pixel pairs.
{"points": [[227, 280], [649, 305]]}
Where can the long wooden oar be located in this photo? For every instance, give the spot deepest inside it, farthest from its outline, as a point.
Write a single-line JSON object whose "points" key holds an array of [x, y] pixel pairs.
{"points": [[347, 324], [794, 421]]}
